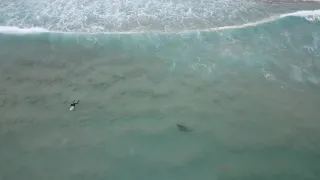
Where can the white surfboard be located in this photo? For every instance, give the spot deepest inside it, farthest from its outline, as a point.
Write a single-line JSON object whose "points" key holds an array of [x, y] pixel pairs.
{"points": [[71, 108]]}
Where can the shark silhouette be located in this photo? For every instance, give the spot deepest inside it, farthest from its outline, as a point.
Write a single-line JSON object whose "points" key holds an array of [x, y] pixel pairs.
{"points": [[183, 128]]}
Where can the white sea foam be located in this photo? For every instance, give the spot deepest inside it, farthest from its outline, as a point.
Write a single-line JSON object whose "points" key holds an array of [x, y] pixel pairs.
{"points": [[308, 15], [17, 30], [95, 16]]}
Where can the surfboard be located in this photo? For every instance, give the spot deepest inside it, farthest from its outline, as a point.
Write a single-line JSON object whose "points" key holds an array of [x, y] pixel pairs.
{"points": [[71, 108]]}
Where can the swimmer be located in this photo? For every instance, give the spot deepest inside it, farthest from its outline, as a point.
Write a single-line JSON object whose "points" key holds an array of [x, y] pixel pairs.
{"points": [[73, 104]]}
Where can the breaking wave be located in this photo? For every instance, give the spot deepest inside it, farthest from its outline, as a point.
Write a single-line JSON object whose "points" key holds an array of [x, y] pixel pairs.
{"points": [[312, 16]]}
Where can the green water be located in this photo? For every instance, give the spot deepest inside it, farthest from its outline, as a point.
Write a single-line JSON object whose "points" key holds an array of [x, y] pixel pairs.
{"points": [[250, 95]]}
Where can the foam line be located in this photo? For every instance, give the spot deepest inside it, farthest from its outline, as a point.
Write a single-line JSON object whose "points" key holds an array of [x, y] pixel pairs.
{"points": [[308, 15]]}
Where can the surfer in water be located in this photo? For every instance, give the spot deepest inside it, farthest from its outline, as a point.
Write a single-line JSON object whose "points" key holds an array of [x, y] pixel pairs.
{"points": [[73, 104]]}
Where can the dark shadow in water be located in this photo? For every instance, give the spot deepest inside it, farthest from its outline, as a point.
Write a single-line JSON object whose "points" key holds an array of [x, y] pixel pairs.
{"points": [[183, 128]]}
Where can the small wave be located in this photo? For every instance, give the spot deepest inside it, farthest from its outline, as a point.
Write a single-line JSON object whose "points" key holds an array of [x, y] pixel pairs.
{"points": [[308, 15]]}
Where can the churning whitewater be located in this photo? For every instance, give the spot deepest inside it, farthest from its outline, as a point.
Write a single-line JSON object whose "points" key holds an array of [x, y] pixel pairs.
{"points": [[312, 16]]}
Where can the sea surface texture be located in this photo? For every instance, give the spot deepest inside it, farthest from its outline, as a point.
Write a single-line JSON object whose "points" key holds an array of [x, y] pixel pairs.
{"points": [[240, 77]]}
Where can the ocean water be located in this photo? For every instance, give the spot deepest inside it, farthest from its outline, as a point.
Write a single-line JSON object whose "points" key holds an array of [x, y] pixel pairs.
{"points": [[243, 75]]}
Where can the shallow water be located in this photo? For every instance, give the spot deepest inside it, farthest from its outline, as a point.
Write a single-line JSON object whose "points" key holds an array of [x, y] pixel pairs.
{"points": [[250, 93]]}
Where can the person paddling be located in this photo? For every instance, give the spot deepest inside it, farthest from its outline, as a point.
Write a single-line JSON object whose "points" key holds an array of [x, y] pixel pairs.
{"points": [[73, 104]]}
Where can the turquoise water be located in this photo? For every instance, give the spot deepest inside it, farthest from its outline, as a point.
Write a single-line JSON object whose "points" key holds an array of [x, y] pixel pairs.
{"points": [[249, 91]]}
